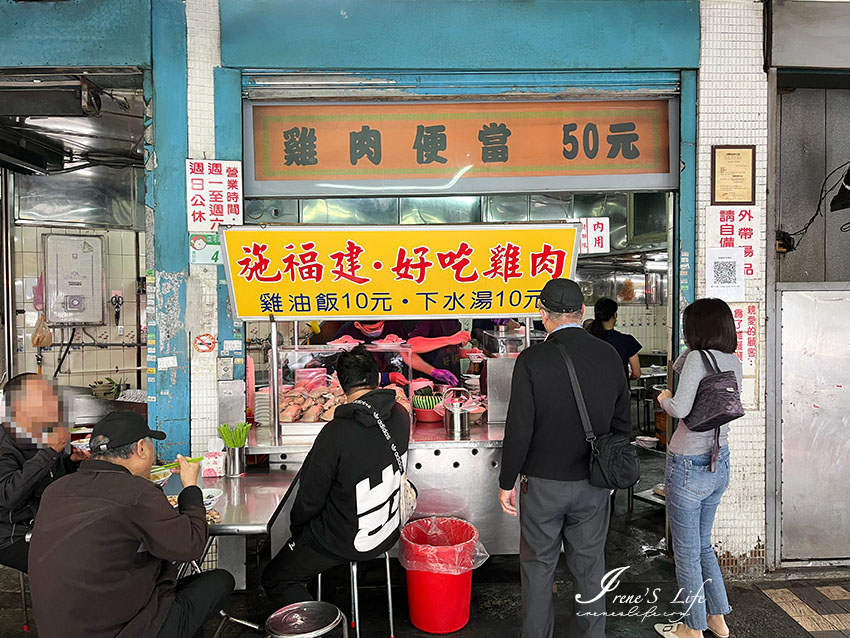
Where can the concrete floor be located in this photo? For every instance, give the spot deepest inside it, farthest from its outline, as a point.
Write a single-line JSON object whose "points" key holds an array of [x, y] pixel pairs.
{"points": [[496, 605]]}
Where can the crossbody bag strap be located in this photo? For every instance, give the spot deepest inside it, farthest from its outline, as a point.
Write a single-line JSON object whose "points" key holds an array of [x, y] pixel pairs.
{"points": [[384, 431], [710, 361], [582, 406]]}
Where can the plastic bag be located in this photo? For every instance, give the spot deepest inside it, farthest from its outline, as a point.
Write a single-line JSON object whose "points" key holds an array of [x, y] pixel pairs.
{"points": [[441, 545], [41, 335]]}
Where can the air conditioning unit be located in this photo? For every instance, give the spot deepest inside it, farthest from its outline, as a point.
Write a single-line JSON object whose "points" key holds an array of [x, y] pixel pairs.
{"points": [[78, 98]]}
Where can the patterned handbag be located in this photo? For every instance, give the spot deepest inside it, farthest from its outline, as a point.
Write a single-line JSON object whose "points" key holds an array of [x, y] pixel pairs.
{"points": [[717, 402]]}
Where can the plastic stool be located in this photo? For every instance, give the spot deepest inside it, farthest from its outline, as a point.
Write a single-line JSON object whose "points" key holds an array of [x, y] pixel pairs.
{"points": [[355, 597]]}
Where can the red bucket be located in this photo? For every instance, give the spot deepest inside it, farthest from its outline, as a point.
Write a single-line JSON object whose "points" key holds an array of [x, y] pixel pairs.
{"points": [[439, 553]]}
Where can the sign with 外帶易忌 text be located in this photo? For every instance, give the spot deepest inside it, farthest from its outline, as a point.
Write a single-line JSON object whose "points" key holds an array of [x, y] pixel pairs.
{"points": [[391, 144], [326, 272]]}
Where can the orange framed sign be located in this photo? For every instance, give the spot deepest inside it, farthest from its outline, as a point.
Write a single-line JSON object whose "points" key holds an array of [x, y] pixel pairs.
{"points": [[395, 142], [357, 272]]}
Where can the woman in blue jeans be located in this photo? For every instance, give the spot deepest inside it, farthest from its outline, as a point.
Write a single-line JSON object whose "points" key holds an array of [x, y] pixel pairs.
{"points": [[692, 489]]}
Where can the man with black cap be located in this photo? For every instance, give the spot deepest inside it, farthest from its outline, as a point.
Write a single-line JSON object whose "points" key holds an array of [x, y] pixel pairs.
{"points": [[545, 446], [118, 541]]}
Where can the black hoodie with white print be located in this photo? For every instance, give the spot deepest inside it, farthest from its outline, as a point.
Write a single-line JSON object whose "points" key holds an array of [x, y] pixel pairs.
{"points": [[348, 494]]}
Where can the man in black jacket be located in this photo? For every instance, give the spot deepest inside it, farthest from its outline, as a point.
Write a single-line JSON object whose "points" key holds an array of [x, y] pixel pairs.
{"points": [[119, 541], [545, 444], [347, 506], [32, 455]]}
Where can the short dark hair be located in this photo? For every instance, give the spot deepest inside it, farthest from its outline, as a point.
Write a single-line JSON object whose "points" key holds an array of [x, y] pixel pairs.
{"points": [[709, 325], [357, 369]]}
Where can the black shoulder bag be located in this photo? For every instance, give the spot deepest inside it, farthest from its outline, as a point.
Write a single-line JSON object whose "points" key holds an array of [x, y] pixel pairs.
{"points": [[614, 461], [717, 402]]}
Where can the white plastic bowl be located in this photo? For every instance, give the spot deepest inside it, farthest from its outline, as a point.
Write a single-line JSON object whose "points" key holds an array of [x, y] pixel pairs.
{"points": [[160, 478], [211, 496]]}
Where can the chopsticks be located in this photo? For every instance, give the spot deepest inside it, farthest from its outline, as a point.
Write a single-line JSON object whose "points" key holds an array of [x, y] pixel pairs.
{"points": [[168, 466]]}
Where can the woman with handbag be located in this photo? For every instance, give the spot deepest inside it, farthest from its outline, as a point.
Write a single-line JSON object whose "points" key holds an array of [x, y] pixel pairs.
{"points": [[697, 472]]}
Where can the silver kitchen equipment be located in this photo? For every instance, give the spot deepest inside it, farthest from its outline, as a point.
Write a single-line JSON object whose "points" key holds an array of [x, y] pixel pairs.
{"points": [[310, 619], [235, 461], [456, 418]]}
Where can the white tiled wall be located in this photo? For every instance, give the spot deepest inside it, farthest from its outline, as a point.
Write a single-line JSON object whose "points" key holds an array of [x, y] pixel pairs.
{"points": [[204, 53], [83, 362], [647, 325], [732, 109]]}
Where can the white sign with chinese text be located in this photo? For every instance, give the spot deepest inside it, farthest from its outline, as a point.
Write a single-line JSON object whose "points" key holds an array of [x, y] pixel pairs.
{"points": [[595, 235], [746, 316], [736, 227], [213, 194]]}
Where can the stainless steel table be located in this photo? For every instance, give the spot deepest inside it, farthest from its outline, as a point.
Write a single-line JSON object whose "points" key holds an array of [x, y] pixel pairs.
{"points": [[248, 505]]}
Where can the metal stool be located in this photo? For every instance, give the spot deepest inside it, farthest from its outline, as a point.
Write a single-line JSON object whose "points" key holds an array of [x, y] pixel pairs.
{"points": [[308, 619], [355, 598], [24, 609]]}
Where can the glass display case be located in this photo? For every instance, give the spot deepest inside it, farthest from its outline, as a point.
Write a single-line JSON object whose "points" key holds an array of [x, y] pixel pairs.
{"points": [[508, 343], [308, 390]]}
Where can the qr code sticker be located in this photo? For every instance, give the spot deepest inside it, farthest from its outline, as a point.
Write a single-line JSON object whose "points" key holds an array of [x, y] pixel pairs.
{"points": [[725, 272]]}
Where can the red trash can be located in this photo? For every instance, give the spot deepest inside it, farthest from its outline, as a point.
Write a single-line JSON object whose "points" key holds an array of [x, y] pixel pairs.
{"points": [[438, 554]]}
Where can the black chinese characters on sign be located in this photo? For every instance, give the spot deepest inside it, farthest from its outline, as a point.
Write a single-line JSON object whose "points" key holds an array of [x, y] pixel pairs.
{"points": [[429, 141], [299, 146]]}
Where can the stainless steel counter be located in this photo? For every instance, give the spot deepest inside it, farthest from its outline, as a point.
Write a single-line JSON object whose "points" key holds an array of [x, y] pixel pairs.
{"points": [[481, 435]]}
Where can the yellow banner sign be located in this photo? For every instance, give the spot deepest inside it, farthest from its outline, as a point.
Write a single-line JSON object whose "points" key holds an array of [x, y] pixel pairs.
{"points": [[322, 272], [433, 141]]}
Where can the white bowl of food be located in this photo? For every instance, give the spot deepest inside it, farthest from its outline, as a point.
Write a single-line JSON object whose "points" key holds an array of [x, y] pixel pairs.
{"points": [[211, 496], [82, 444], [160, 477]]}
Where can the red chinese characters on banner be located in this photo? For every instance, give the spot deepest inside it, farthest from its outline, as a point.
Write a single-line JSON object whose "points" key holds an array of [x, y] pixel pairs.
{"points": [[304, 266], [735, 228], [747, 335], [404, 265], [255, 264], [458, 262], [549, 260], [504, 262], [304, 262], [595, 235], [347, 263], [213, 194]]}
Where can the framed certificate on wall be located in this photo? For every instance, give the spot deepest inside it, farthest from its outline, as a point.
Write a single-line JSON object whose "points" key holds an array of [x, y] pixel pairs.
{"points": [[733, 175]]}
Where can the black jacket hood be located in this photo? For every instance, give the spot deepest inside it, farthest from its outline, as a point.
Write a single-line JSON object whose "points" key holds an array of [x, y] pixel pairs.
{"points": [[381, 400]]}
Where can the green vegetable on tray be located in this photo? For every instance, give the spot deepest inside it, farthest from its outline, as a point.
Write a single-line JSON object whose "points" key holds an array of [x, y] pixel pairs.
{"points": [[234, 436]]}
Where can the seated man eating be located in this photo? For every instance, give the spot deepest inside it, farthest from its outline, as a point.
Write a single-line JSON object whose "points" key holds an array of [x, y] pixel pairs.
{"points": [[118, 541], [347, 506], [33, 442]]}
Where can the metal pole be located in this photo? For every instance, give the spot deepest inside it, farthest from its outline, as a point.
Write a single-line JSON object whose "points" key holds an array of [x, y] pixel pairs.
{"points": [[529, 326], [274, 371], [295, 334], [7, 304]]}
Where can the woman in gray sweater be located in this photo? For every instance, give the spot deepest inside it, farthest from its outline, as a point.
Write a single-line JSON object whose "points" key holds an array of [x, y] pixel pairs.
{"points": [[692, 489]]}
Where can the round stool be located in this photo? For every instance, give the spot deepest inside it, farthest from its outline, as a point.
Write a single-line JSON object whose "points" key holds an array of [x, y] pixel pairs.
{"points": [[310, 619]]}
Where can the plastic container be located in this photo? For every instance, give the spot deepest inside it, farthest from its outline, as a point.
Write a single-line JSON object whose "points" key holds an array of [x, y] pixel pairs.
{"points": [[439, 555]]}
